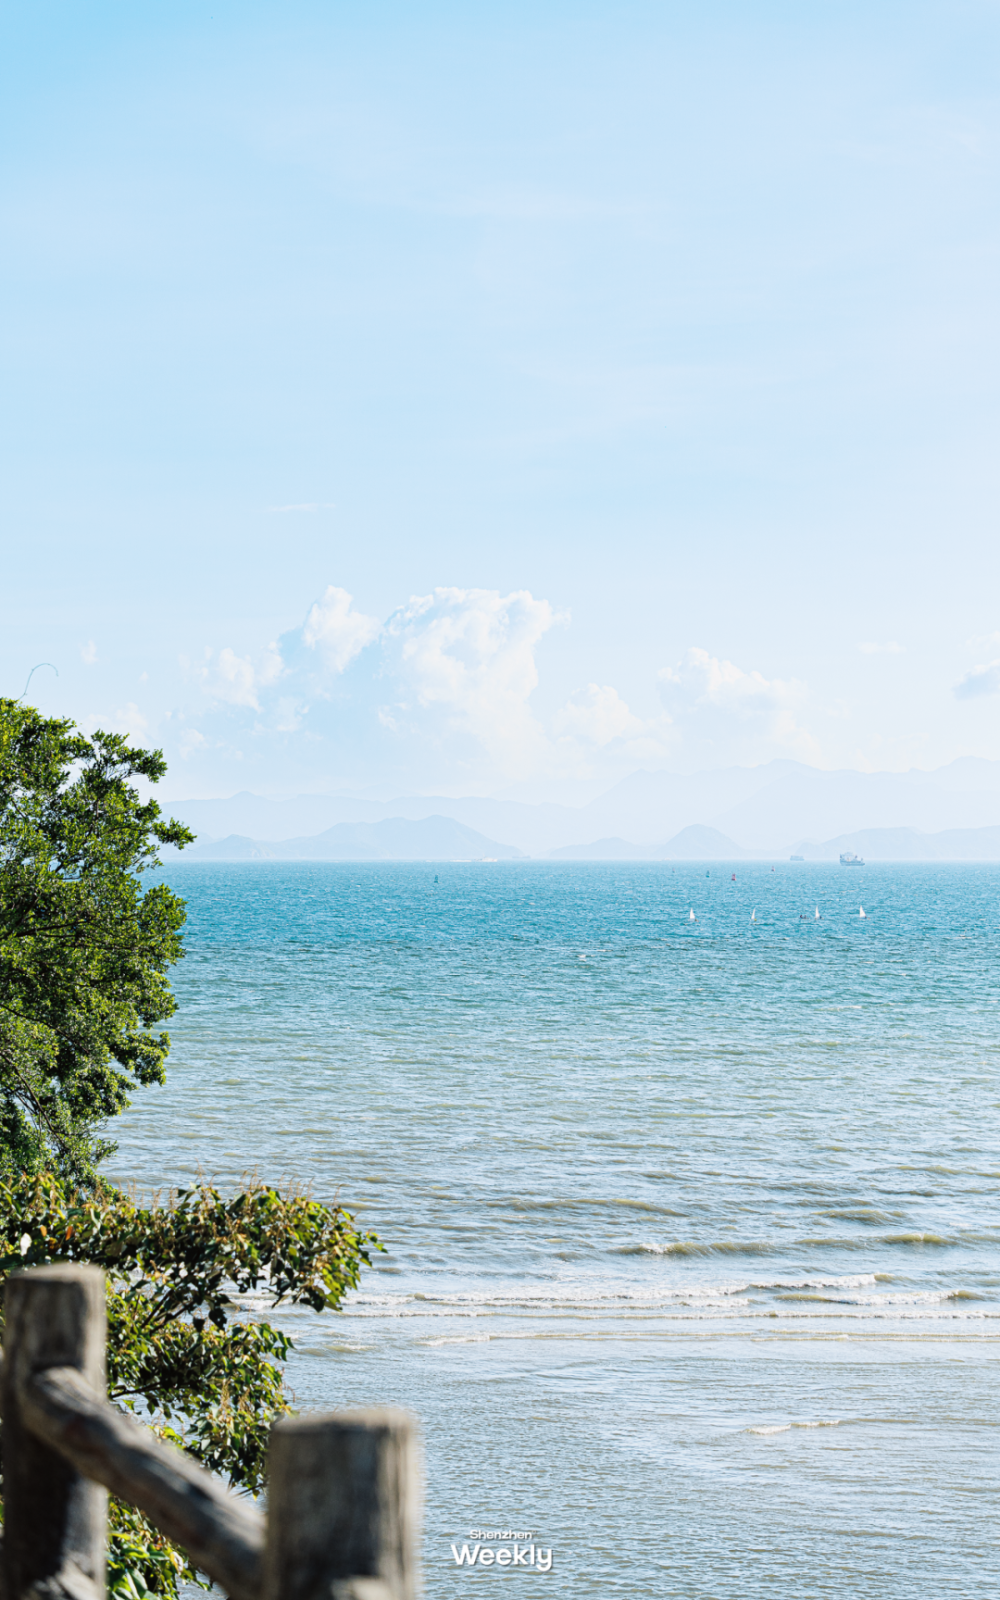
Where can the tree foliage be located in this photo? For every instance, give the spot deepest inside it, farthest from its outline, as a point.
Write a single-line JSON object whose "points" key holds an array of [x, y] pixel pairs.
{"points": [[85, 954], [84, 951], [182, 1351]]}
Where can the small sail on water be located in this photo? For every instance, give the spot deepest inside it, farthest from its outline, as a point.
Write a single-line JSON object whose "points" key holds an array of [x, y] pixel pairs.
{"points": [[753, 914], [862, 912], [816, 917], [692, 917]]}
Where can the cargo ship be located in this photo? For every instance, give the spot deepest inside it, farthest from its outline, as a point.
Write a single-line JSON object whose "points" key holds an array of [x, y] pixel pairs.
{"points": [[849, 859]]}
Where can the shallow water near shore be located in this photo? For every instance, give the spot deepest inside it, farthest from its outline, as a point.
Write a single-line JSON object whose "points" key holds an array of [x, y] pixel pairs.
{"points": [[691, 1227]]}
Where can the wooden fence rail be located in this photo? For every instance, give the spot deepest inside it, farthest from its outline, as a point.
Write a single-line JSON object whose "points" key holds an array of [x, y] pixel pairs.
{"points": [[344, 1488]]}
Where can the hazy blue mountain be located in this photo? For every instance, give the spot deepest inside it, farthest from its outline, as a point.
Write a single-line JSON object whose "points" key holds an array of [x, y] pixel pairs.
{"points": [[257, 818], [601, 850], [761, 808], [236, 847], [696, 843], [824, 804], [907, 844], [532, 828], [394, 839]]}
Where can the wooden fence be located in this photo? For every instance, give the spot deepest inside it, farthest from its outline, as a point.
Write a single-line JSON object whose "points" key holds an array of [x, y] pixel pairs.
{"points": [[343, 1487]]}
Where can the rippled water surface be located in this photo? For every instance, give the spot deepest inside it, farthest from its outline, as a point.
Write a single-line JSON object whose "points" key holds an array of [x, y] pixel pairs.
{"points": [[691, 1226]]}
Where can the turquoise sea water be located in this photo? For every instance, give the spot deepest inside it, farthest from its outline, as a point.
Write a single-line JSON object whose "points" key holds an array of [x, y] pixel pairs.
{"points": [[692, 1227]]}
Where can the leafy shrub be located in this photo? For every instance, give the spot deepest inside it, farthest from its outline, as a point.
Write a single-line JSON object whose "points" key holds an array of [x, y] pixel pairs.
{"points": [[180, 1354]]}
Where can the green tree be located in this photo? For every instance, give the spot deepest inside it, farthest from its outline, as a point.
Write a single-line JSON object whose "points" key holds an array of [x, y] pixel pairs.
{"points": [[84, 950], [84, 959]]}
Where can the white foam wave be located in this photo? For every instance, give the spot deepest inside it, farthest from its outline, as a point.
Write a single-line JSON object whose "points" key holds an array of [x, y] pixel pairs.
{"points": [[915, 1297], [472, 1338], [723, 1291], [724, 1298], [786, 1427]]}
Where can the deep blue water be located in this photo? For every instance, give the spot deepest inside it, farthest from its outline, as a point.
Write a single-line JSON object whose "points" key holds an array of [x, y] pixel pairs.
{"points": [[691, 1227]]}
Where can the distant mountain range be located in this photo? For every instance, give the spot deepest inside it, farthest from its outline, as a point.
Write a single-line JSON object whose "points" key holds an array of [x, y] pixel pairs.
{"points": [[734, 811], [872, 844], [396, 839], [696, 843], [442, 839], [906, 844]]}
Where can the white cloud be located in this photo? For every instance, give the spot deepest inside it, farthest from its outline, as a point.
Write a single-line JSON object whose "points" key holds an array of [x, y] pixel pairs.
{"points": [[471, 653], [130, 721], [235, 679], [597, 714], [984, 679], [443, 694], [336, 630], [721, 712], [447, 686], [88, 653], [288, 715], [892, 649]]}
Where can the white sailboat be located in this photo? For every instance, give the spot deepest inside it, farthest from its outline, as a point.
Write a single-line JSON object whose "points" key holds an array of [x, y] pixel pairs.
{"points": [[862, 912], [816, 917], [692, 917], [753, 914]]}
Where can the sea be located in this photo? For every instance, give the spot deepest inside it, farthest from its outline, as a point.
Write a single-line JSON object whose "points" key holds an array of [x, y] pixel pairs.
{"points": [[688, 1178]]}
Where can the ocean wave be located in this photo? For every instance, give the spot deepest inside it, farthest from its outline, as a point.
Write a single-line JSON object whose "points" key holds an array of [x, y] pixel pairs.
{"points": [[916, 1297], [582, 1203], [722, 1247], [786, 1427], [578, 1296], [726, 1298], [913, 1240], [851, 1280], [468, 1338], [865, 1214]]}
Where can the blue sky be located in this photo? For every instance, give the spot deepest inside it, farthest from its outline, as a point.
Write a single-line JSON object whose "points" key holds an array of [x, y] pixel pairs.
{"points": [[632, 368]]}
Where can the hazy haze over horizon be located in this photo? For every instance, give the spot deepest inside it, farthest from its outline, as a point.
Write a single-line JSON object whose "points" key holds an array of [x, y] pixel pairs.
{"points": [[502, 404]]}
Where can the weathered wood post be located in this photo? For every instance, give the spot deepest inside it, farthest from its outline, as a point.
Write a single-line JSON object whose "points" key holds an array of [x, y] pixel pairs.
{"points": [[54, 1519], [343, 1507], [344, 1488]]}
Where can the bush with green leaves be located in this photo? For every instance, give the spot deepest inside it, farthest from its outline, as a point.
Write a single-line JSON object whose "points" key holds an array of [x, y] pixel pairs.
{"points": [[179, 1352]]}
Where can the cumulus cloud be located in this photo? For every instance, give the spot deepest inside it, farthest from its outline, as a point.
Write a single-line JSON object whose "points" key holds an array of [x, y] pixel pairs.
{"points": [[444, 694], [984, 679], [130, 721], [597, 714], [720, 711], [470, 655], [336, 630], [441, 692], [891, 649], [237, 680]]}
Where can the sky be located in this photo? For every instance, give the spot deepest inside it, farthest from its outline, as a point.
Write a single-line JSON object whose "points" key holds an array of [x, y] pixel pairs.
{"points": [[502, 398]]}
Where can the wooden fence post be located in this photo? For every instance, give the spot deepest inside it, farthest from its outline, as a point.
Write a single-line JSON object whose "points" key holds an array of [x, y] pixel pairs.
{"points": [[54, 1519], [343, 1507]]}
